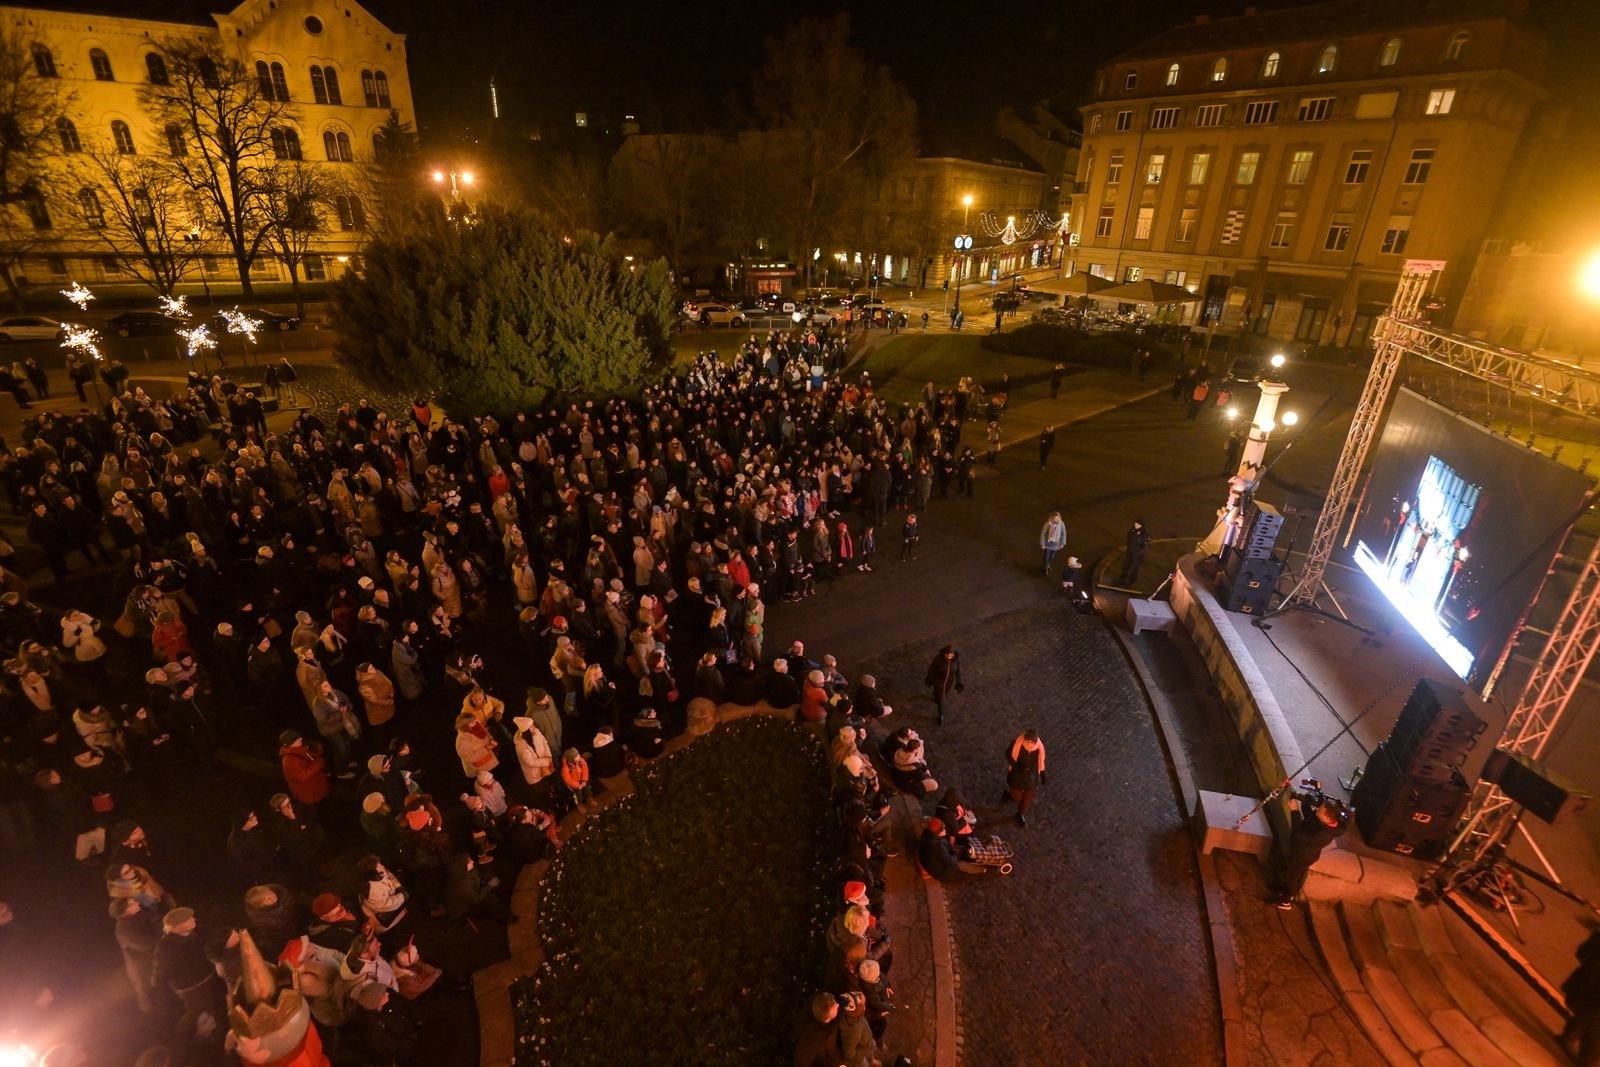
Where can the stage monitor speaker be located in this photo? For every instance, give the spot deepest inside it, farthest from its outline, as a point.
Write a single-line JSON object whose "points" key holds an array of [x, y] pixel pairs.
{"points": [[1435, 727], [1261, 526], [1533, 785], [1404, 814], [1252, 584]]}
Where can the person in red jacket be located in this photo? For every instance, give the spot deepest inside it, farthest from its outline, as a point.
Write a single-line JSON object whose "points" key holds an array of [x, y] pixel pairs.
{"points": [[304, 769]]}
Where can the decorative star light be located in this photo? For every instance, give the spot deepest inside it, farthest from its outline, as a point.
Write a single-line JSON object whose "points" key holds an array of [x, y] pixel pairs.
{"points": [[174, 307], [241, 323], [198, 338], [81, 339], [78, 295]]}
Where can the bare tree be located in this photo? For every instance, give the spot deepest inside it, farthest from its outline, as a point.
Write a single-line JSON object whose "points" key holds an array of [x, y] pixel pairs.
{"points": [[570, 191], [295, 197], [662, 183], [31, 101], [844, 121], [128, 204], [235, 126]]}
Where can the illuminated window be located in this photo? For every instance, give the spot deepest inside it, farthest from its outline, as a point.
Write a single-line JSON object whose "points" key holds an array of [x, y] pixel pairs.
{"points": [[1199, 168], [1219, 70], [1300, 167], [100, 63], [1390, 54], [1143, 223], [1187, 219], [1328, 60], [1172, 75], [1269, 68], [1155, 167], [1282, 230], [122, 137], [1245, 173], [68, 133], [1440, 101]]}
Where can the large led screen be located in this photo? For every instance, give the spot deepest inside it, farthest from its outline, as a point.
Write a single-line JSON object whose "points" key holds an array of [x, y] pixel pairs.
{"points": [[1457, 525]]}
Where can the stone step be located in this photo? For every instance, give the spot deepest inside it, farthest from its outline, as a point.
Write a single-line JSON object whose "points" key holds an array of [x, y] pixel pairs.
{"points": [[1467, 1040], [1330, 937], [1444, 1056], [1378, 1031], [1523, 1047]]}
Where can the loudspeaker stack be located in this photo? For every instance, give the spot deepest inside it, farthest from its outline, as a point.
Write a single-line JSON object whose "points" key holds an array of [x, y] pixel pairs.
{"points": [[1412, 792], [1253, 570]]}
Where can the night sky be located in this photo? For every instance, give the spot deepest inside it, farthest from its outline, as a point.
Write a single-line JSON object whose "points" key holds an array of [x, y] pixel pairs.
{"points": [[679, 65]]}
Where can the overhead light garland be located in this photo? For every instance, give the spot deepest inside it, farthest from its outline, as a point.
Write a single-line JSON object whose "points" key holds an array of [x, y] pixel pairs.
{"points": [[1010, 231]]}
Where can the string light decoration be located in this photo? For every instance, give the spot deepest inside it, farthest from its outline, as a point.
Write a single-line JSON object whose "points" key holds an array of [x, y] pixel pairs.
{"points": [[198, 338], [241, 323], [174, 307], [78, 295], [81, 339], [1010, 231]]}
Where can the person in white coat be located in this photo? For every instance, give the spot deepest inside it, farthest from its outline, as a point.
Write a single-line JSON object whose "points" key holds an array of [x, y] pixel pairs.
{"points": [[533, 751], [1052, 538]]}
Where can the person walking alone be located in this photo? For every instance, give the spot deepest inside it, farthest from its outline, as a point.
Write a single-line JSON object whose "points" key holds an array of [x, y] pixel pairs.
{"points": [[1057, 372], [1047, 441], [1052, 538], [1135, 541], [994, 441], [910, 533], [944, 675], [1024, 772]]}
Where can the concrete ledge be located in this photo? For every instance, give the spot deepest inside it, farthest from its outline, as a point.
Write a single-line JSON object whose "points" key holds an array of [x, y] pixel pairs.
{"points": [[1216, 824], [1150, 615]]}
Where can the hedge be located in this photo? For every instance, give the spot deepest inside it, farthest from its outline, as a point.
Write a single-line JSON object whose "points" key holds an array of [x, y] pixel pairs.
{"points": [[1039, 340], [686, 923]]}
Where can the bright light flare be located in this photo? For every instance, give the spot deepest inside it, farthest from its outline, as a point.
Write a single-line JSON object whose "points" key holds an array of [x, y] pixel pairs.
{"points": [[17, 1056], [1291, 417], [1589, 277], [1279, 360], [1233, 413], [438, 175], [198, 338], [240, 323], [78, 295], [84, 341], [174, 307], [467, 177]]}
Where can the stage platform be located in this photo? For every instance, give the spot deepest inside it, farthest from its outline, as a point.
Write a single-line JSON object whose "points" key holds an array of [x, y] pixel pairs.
{"points": [[1312, 696]]}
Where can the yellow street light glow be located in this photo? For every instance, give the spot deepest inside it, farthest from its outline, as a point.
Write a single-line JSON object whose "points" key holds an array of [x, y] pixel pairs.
{"points": [[1279, 360], [1233, 413], [438, 175], [1291, 417], [466, 177], [966, 201], [1589, 276]]}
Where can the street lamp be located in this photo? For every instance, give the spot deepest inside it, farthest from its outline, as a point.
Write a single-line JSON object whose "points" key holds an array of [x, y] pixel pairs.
{"points": [[458, 178], [962, 245], [1252, 458]]}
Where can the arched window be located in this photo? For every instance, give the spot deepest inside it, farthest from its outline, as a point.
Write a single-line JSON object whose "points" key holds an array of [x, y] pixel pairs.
{"points": [[263, 79], [1328, 60], [285, 143], [122, 137], [1269, 68], [319, 88], [208, 72], [1172, 74], [100, 63], [157, 68], [336, 145], [68, 134], [44, 64], [89, 203], [1456, 50], [1390, 54], [144, 212], [280, 85], [176, 145], [1219, 70], [351, 214], [331, 76], [383, 88], [369, 88]]}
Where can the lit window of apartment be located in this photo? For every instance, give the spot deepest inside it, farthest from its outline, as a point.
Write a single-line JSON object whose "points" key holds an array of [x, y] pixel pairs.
{"points": [[1269, 67], [1124, 120], [1421, 163], [1338, 236], [1328, 60], [1300, 166], [1233, 227], [1102, 225], [1094, 122], [1282, 230], [1165, 118], [1172, 75], [1261, 113], [1316, 109], [1131, 80], [1219, 70], [1245, 173], [1188, 218], [1210, 114], [1396, 235], [1143, 223], [1155, 168], [1132, 274], [1440, 101], [1199, 168], [1175, 277], [1390, 54], [1355, 172], [1114, 169]]}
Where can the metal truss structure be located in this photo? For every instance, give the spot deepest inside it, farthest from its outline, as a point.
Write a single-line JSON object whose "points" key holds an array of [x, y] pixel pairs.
{"points": [[1564, 386]]}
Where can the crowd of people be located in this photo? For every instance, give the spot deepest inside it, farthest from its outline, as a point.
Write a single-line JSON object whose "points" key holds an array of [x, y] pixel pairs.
{"points": [[380, 594]]}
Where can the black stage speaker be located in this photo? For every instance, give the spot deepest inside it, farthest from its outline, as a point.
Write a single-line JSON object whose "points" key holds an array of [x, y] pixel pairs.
{"points": [[1262, 524], [1410, 816], [1435, 732], [1533, 785], [1251, 583]]}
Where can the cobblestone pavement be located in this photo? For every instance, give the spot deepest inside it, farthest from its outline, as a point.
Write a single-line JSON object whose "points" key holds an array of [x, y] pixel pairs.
{"points": [[1094, 951], [327, 385]]}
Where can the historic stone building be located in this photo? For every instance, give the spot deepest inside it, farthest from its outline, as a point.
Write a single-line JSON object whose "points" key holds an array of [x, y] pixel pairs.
{"points": [[1283, 165], [335, 70]]}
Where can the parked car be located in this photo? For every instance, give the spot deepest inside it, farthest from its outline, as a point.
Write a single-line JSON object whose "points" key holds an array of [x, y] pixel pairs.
{"points": [[777, 304], [1244, 369], [721, 315], [30, 328], [876, 312], [133, 323]]}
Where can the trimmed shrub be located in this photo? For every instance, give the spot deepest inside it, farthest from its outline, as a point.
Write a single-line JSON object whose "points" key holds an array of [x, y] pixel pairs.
{"points": [[1040, 340]]}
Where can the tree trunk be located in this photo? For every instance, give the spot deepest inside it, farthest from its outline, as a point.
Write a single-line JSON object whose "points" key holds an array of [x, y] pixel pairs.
{"points": [[294, 285], [13, 288], [245, 287]]}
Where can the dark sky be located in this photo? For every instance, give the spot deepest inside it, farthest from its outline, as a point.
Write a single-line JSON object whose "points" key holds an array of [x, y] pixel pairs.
{"points": [[678, 64]]}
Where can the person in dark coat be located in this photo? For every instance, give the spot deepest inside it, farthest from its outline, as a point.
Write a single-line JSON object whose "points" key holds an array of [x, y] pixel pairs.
{"points": [[1024, 772], [468, 894], [1309, 833], [384, 1025], [1135, 542], [138, 932], [1582, 992], [816, 1039], [182, 966], [944, 675], [782, 690], [251, 850]]}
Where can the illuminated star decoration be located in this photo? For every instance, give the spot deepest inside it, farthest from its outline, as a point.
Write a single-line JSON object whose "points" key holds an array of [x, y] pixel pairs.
{"points": [[78, 295], [174, 307], [198, 338], [1011, 231], [81, 339], [239, 322]]}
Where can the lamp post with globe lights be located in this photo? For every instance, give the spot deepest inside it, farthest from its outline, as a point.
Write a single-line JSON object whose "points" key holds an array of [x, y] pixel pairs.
{"points": [[456, 209], [1252, 458], [962, 246]]}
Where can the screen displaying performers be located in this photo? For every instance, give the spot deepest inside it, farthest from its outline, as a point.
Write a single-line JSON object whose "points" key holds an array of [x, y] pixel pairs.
{"points": [[1456, 526]]}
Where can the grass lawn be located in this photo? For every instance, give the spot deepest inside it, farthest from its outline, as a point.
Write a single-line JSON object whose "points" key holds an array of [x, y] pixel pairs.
{"points": [[686, 924]]}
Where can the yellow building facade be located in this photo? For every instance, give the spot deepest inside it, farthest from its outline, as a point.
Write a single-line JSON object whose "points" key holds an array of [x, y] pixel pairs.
{"points": [[1284, 165], [340, 70]]}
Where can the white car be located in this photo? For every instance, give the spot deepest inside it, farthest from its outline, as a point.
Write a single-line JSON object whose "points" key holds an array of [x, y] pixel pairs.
{"points": [[721, 315], [30, 328]]}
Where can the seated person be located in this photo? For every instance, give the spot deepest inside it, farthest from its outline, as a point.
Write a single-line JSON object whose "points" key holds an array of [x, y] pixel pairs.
{"points": [[911, 772]]}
